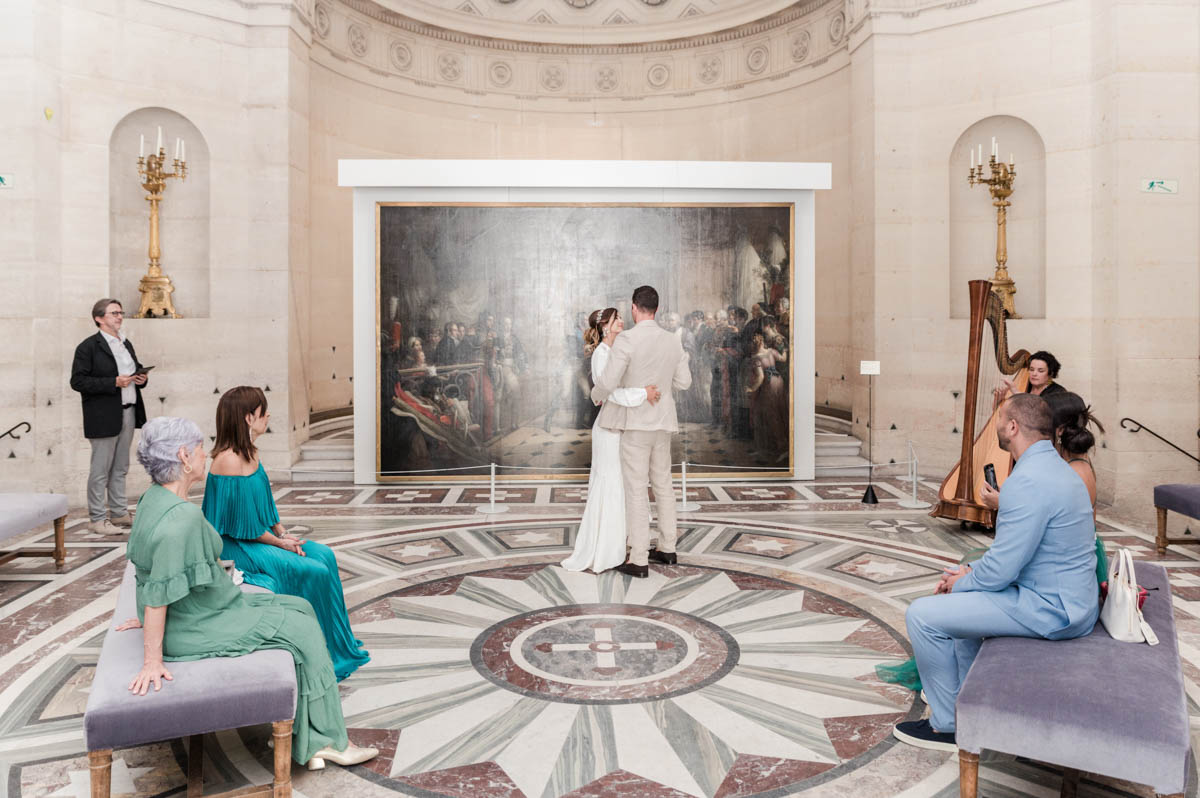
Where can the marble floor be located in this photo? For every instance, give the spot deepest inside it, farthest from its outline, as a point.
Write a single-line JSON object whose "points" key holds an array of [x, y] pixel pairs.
{"points": [[748, 669]]}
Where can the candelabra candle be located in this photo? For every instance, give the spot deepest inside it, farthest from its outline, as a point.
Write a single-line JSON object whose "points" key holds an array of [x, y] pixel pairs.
{"points": [[155, 287], [999, 181]]}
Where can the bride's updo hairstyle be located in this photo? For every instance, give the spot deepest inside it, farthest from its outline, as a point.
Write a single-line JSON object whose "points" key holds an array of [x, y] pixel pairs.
{"points": [[596, 324]]}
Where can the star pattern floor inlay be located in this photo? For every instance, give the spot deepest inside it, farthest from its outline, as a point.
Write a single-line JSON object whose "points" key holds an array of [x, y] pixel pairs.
{"points": [[748, 669]]}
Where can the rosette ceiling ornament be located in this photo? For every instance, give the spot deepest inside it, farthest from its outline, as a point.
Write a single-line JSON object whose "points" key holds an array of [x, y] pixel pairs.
{"points": [[597, 22], [567, 50]]}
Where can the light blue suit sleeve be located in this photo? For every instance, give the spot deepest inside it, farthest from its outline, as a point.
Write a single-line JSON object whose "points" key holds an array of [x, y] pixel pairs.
{"points": [[1020, 524]]}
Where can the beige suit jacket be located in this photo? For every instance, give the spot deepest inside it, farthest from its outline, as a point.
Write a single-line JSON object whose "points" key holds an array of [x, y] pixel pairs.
{"points": [[644, 355]]}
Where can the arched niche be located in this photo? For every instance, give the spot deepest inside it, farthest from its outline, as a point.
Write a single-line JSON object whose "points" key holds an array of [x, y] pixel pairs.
{"points": [[183, 213], [973, 217]]}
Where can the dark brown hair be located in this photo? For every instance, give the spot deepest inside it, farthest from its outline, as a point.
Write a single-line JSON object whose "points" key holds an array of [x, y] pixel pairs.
{"points": [[1031, 413], [101, 307], [646, 298], [595, 330], [1052, 364], [1071, 419], [233, 432]]}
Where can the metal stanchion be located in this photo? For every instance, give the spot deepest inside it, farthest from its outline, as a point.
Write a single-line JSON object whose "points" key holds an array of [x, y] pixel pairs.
{"points": [[492, 507], [869, 495], [914, 503], [686, 506]]}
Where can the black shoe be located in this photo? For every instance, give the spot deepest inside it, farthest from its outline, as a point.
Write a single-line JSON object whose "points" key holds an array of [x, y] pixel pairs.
{"points": [[922, 735], [664, 557], [639, 571]]}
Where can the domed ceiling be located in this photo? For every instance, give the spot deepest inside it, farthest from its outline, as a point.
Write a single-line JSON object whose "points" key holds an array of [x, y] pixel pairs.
{"points": [[513, 52], [595, 22]]}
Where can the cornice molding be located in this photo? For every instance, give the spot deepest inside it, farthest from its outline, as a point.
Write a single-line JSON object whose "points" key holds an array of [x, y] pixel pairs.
{"points": [[370, 44], [371, 9]]}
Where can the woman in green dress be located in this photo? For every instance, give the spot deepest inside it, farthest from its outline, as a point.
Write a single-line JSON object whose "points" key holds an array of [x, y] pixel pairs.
{"points": [[190, 609], [238, 502]]}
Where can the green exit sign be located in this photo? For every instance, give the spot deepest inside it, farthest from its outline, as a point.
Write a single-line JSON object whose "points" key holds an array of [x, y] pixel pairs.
{"points": [[1158, 185]]}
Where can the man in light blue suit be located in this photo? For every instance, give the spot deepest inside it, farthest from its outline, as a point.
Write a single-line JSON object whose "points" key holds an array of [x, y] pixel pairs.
{"points": [[1037, 580]]}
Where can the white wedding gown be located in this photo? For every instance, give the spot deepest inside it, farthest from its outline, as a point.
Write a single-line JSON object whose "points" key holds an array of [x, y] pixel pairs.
{"points": [[600, 544]]}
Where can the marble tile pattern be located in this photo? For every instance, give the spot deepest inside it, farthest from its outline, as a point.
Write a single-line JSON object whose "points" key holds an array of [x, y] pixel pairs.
{"points": [[748, 669]]}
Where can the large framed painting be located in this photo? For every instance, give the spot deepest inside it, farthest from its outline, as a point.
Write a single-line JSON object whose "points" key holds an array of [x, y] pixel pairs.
{"points": [[481, 313]]}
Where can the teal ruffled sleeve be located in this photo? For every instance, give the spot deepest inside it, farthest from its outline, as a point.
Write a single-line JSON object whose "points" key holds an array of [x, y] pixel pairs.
{"points": [[240, 507], [182, 556]]}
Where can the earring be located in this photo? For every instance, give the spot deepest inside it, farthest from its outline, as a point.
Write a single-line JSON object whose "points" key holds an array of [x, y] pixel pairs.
{"points": [[187, 469]]}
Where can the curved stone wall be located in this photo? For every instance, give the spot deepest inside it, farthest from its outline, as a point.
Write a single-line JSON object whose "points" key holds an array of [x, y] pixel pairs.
{"points": [[798, 44], [779, 92]]}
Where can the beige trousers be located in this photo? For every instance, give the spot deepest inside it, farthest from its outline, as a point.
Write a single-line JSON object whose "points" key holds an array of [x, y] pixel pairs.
{"points": [[646, 459]]}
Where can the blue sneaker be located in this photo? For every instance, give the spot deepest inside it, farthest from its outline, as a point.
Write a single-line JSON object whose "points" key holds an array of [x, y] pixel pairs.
{"points": [[922, 735]]}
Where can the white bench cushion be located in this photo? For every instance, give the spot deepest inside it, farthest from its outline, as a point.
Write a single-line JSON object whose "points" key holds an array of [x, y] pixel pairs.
{"points": [[25, 512]]}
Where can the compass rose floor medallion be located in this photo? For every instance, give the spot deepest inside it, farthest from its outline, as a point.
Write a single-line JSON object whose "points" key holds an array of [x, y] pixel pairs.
{"points": [[700, 681]]}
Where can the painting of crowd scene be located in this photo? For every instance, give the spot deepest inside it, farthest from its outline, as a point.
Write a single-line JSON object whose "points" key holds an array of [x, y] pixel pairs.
{"points": [[482, 314]]}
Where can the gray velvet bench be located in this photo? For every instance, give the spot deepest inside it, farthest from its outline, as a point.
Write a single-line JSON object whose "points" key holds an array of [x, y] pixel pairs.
{"points": [[1089, 705], [25, 512], [1182, 499], [207, 695]]}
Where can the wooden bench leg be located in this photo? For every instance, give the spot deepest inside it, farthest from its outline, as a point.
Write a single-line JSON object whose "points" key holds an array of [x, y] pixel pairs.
{"points": [[968, 774], [60, 543], [1160, 539], [281, 731], [1070, 783], [195, 773], [100, 763]]}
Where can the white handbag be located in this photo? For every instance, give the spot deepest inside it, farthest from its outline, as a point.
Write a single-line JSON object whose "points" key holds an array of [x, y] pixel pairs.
{"points": [[1120, 613]]}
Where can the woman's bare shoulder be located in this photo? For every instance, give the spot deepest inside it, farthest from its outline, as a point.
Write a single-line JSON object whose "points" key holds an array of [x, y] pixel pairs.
{"points": [[230, 464]]}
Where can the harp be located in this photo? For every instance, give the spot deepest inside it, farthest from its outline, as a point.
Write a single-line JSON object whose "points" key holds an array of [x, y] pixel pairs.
{"points": [[988, 363]]}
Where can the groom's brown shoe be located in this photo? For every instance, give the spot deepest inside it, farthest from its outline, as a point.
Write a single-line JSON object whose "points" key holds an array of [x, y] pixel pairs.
{"points": [[638, 571], [664, 557]]}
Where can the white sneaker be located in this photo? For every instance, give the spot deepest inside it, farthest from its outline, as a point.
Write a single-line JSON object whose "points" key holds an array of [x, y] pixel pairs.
{"points": [[123, 521], [105, 527]]}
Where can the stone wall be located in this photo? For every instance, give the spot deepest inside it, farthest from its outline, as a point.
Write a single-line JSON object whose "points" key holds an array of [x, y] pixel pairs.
{"points": [[884, 91], [74, 71]]}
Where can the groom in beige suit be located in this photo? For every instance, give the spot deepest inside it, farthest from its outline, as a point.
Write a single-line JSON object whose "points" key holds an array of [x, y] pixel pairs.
{"points": [[646, 354]]}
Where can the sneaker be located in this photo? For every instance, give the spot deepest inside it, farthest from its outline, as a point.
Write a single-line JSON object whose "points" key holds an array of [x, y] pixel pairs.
{"points": [[105, 528], [124, 521], [922, 735]]}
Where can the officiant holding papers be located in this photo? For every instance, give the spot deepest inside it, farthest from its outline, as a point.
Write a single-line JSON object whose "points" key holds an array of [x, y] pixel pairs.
{"points": [[109, 379]]}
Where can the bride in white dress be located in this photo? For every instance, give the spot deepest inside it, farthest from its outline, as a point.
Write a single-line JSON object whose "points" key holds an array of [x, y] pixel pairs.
{"points": [[600, 544]]}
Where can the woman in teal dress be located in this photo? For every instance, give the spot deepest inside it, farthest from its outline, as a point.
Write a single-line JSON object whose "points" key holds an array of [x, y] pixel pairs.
{"points": [[189, 608], [238, 502]]}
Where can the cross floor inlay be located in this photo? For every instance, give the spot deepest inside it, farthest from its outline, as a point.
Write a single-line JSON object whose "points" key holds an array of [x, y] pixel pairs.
{"points": [[605, 647]]}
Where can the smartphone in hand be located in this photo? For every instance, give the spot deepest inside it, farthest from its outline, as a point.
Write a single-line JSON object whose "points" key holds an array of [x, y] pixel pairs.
{"points": [[142, 370], [989, 474]]}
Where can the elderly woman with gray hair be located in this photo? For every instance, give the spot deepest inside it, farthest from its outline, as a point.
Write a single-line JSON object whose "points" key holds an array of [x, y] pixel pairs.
{"points": [[190, 609]]}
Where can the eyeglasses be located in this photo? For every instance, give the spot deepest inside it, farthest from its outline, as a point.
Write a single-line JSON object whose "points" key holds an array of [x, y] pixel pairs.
{"points": [[116, 313]]}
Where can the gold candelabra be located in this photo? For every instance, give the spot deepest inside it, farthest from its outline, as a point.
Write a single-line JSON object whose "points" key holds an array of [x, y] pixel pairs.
{"points": [[155, 286], [1000, 184]]}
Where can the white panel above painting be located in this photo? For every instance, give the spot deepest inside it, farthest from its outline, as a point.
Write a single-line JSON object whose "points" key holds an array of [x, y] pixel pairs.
{"points": [[472, 281]]}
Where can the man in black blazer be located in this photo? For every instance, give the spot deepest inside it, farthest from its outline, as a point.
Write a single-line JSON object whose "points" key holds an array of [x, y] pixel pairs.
{"points": [[105, 374]]}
